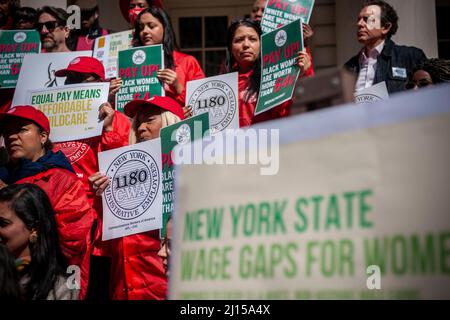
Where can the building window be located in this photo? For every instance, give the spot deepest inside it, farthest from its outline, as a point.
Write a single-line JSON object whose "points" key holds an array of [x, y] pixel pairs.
{"points": [[205, 39], [443, 31]]}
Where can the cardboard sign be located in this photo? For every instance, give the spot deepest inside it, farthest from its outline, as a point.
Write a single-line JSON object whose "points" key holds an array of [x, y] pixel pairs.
{"points": [[137, 68], [14, 45], [278, 13], [358, 210], [106, 49], [217, 95], [72, 110], [278, 70], [132, 201], [38, 72]]}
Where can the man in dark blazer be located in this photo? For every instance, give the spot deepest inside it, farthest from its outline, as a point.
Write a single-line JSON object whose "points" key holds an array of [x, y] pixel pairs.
{"points": [[381, 59]]}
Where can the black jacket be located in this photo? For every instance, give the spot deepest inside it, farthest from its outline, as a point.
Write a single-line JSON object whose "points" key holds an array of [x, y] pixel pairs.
{"points": [[393, 65]]}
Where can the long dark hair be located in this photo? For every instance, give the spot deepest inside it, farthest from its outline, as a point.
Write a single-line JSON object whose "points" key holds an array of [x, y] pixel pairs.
{"points": [[169, 42], [230, 64], [32, 205], [9, 282]]}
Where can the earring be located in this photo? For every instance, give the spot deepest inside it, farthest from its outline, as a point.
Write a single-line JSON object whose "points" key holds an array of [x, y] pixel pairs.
{"points": [[33, 238]]}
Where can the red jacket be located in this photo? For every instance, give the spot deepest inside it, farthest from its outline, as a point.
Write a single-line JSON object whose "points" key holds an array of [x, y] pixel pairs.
{"points": [[74, 216], [82, 155], [187, 69], [137, 271]]}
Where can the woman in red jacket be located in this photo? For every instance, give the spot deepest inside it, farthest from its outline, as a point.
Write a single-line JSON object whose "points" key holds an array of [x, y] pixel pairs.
{"points": [[153, 27], [138, 271], [26, 133], [244, 48]]}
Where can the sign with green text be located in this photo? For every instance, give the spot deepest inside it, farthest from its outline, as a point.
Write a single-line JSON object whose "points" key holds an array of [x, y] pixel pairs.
{"points": [[72, 110], [277, 13], [137, 68], [279, 73], [177, 134], [14, 45], [359, 209]]}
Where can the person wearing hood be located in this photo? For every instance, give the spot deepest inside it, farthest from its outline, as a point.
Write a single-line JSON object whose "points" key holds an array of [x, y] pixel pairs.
{"points": [[31, 160]]}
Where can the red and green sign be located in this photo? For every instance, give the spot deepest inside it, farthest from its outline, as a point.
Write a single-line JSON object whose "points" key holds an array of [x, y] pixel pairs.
{"points": [[137, 68], [281, 12], [178, 134], [14, 45], [279, 71]]}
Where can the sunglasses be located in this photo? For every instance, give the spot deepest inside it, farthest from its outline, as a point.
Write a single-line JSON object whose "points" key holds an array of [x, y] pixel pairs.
{"points": [[49, 25], [421, 84]]}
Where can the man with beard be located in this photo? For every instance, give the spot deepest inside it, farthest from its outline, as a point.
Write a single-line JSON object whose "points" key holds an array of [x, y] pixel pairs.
{"points": [[90, 27], [53, 29], [381, 59]]}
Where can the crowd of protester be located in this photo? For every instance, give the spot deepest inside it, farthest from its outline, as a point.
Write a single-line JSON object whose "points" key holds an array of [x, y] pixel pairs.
{"points": [[50, 205]]}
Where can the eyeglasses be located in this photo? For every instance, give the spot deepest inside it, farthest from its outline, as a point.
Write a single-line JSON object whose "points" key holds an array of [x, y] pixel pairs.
{"points": [[49, 25], [167, 244], [420, 84]]}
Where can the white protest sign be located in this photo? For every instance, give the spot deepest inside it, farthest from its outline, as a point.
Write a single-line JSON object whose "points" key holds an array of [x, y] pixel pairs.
{"points": [[38, 72], [217, 95], [372, 94], [72, 110], [132, 203], [106, 49], [358, 210]]}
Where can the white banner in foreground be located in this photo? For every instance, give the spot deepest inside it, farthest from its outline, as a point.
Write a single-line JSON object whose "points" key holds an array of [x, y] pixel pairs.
{"points": [[358, 210]]}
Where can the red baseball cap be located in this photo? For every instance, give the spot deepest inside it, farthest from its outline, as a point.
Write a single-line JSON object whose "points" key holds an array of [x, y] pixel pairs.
{"points": [[88, 65], [165, 103], [29, 113], [125, 6]]}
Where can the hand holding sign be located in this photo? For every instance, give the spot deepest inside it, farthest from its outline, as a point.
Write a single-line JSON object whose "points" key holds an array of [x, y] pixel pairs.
{"points": [[99, 181], [303, 62], [170, 77], [106, 114]]}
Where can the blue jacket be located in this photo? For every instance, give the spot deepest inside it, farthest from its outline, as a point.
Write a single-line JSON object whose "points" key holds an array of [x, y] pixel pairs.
{"points": [[394, 64]]}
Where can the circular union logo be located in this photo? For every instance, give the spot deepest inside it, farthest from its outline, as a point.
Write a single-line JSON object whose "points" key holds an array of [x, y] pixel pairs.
{"points": [[20, 37], [139, 57], [183, 134], [280, 38], [135, 181], [75, 150], [218, 98]]}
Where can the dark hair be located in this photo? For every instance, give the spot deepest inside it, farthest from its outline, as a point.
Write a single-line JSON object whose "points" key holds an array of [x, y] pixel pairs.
{"points": [[58, 13], [32, 205], [388, 15], [48, 145], [9, 281], [439, 70], [169, 42], [25, 13], [230, 64]]}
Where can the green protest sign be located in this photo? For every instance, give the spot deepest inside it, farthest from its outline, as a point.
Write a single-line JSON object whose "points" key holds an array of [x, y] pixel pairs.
{"points": [[14, 45], [279, 73], [358, 209], [281, 12], [137, 68], [180, 133]]}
